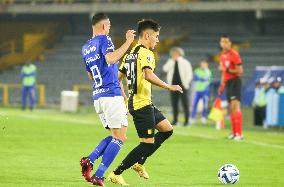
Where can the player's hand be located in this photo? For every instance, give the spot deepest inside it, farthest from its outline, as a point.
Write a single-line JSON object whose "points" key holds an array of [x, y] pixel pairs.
{"points": [[175, 88], [130, 34]]}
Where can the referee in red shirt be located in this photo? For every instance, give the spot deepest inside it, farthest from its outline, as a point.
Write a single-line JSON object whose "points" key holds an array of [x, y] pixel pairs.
{"points": [[231, 67]]}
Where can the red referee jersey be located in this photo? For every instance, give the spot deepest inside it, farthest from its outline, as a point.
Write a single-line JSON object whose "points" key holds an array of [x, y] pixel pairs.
{"points": [[230, 59]]}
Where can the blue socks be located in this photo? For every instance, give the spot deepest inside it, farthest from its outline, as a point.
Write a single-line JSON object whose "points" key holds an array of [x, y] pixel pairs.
{"points": [[108, 156], [99, 150]]}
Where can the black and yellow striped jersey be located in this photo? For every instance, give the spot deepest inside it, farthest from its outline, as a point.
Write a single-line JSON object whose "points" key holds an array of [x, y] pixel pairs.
{"points": [[132, 66]]}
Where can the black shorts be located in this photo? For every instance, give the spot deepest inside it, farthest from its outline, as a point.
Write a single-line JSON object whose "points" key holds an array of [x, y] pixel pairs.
{"points": [[145, 119], [233, 89]]}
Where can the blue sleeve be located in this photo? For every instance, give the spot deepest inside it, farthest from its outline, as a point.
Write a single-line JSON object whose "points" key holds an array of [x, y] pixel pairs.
{"points": [[107, 45]]}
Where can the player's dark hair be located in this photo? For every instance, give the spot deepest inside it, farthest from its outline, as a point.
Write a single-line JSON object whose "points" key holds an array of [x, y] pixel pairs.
{"points": [[98, 17], [225, 36], [145, 24]]}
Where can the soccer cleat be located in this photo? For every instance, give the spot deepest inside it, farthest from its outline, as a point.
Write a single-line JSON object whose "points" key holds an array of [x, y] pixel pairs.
{"points": [[87, 167], [116, 179], [231, 137], [97, 181], [140, 170], [238, 138]]}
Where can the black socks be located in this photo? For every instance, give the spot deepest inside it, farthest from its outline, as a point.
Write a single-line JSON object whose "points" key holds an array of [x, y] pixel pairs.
{"points": [[142, 152], [143, 149], [160, 137]]}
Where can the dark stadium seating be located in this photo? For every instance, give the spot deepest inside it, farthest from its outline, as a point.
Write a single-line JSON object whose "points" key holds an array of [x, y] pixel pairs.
{"points": [[63, 66]]}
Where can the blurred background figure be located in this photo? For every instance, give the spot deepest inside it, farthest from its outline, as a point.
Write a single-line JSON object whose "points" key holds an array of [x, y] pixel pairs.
{"points": [[179, 72], [271, 99], [28, 75], [202, 79], [232, 69], [259, 102], [279, 88], [274, 99]]}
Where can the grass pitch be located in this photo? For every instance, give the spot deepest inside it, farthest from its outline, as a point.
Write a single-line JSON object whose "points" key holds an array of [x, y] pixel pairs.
{"points": [[43, 148]]}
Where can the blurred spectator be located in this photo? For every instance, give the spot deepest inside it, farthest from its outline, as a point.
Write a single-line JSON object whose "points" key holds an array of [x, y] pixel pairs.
{"points": [[202, 79], [28, 75], [259, 103], [277, 85], [179, 72], [272, 99]]}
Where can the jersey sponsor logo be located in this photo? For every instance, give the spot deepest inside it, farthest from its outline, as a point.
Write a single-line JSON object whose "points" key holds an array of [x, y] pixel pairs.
{"points": [[92, 59], [131, 56], [100, 90], [89, 50]]}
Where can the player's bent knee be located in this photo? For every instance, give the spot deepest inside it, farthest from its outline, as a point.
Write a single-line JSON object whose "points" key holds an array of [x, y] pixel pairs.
{"points": [[171, 128], [164, 126]]}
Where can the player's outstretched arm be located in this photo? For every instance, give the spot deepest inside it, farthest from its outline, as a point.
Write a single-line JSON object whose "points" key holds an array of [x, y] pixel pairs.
{"points": [[150, 76], [114, 56]]}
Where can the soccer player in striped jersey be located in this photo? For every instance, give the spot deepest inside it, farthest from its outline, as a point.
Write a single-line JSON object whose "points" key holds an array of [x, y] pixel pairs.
{"points": [[138, 68]]}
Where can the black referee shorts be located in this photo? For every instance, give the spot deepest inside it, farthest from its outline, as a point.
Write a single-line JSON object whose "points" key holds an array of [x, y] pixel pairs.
{"points": [[233, 89], [145, 119]]}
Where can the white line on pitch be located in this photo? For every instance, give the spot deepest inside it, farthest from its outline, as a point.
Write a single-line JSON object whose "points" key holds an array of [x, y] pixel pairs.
{"points": [[245, 141]]}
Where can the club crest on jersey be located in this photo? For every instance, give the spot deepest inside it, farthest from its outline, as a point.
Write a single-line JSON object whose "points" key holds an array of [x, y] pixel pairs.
{"points": [[149, 58]]}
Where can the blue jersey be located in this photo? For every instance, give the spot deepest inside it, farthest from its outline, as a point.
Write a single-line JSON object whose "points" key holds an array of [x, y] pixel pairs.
{"points": [[105, 76]]}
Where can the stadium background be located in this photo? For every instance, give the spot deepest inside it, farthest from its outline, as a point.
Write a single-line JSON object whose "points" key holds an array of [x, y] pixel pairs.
{"points": [[51, 33], [54, 33]]}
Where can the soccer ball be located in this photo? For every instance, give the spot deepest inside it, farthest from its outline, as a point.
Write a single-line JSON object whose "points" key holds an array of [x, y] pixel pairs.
{"points": [[228, 174]]}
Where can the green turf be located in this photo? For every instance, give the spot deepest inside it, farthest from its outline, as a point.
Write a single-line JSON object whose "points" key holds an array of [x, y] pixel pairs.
{"points": [[43, 148]]}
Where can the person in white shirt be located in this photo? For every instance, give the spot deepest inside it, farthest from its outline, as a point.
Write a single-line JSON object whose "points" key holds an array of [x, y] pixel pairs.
{"points": [[179, 71]]}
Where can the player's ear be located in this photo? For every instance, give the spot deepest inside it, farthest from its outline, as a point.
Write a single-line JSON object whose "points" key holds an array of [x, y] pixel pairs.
{"points": [[146, 35], [104, 26]]}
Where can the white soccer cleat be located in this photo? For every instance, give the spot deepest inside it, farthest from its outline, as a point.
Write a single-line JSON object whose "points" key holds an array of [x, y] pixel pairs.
{"points": [[231, 136], [238, 138]]}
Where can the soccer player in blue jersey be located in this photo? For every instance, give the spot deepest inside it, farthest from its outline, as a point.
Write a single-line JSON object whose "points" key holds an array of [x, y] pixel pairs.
{"points": [[100, 59]]}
